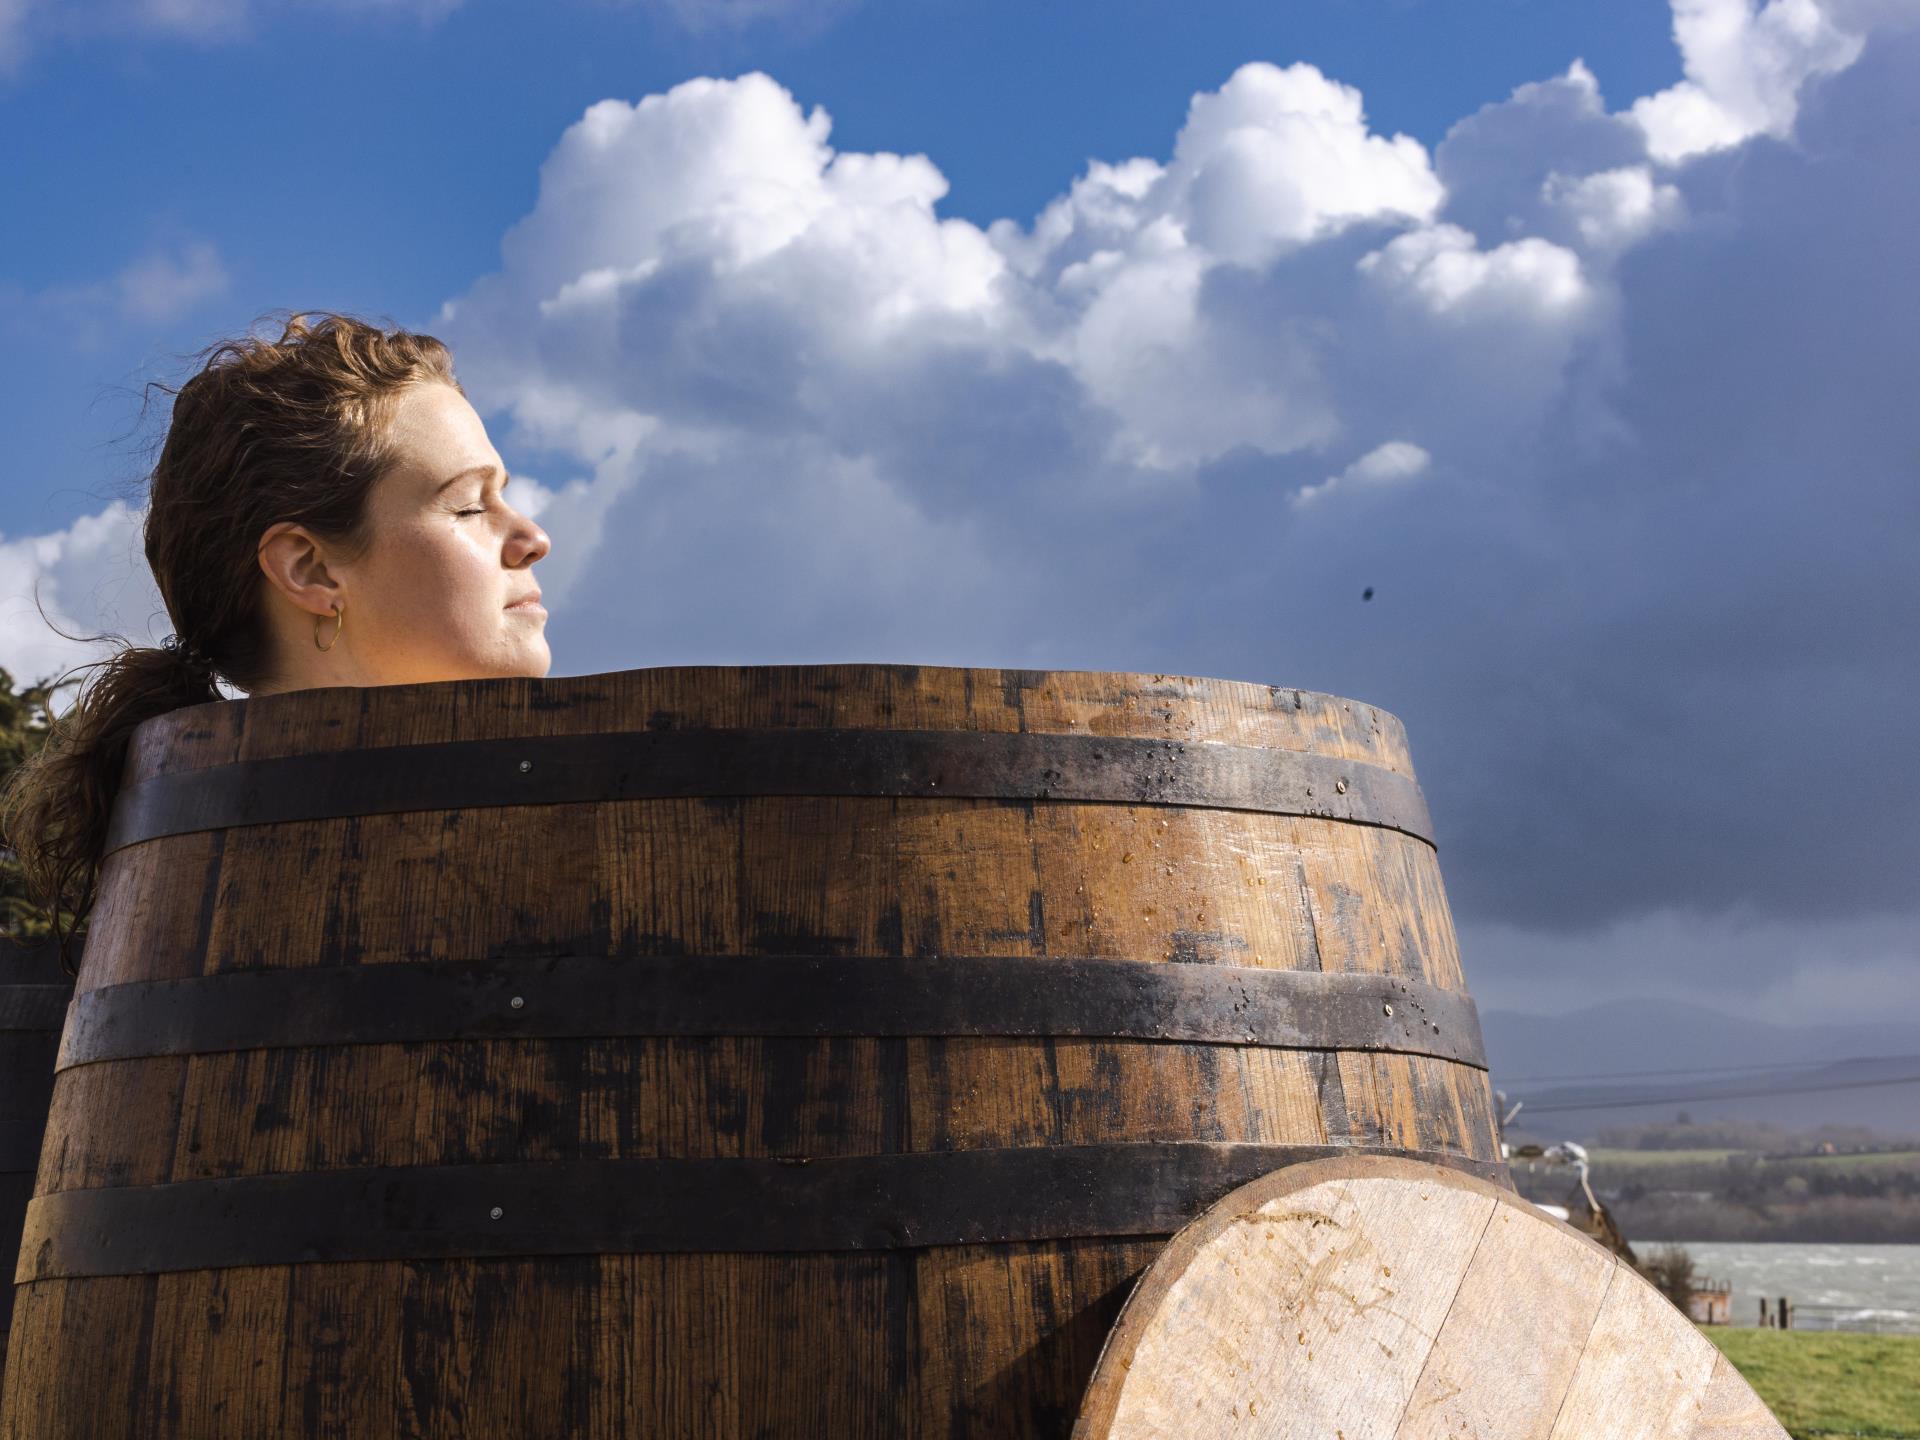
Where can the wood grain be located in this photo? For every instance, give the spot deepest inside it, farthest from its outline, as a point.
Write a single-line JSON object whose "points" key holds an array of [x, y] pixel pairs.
{"points": [[1513, 1336], [957, 1340], [1731, 1411], [1375, 1298]]}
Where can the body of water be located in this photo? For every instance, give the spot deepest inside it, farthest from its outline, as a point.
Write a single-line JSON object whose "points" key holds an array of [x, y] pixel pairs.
{"points": [[1859, 1286]]}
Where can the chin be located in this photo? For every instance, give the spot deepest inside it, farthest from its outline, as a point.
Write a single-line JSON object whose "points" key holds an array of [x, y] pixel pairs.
{"points": [[536, 663]]}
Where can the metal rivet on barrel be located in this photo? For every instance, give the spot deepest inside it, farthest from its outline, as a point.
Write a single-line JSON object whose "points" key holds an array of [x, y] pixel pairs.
{"points": [[518, 1002], [1339, 787], [1386, 1009], [526, 765], [496, 1212]]}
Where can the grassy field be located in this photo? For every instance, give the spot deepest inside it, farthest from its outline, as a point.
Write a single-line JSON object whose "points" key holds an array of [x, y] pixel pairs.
{"points": [[1884, 1157], [1605, 1161], [1823, 1384], [1613, 1161]]}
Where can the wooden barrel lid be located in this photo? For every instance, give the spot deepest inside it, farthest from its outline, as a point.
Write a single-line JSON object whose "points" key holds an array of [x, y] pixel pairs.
{"points": [[1373, 1298]]}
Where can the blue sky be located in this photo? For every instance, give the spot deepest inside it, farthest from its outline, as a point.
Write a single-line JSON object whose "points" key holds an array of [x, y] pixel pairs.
{"points": [[1126, 337], [372, 160]]}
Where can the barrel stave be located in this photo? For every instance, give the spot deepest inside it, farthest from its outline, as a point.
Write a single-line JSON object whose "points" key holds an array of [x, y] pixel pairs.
{"points": [[494, 1102], [794, 875], [455, 1350]]}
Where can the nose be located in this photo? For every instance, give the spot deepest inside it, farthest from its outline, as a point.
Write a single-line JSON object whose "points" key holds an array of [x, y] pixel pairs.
{"points": [[528, 543]]}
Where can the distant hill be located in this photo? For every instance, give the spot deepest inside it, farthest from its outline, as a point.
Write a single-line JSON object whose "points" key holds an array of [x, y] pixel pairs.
{"points": [[1644, 1035]]}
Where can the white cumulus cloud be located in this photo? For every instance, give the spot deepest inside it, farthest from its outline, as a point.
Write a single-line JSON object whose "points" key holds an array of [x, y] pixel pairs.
{"points": [[1278, 157], [88, 578], [1382, 468], [1611, 209], [1744, 69], [1448, 273]]}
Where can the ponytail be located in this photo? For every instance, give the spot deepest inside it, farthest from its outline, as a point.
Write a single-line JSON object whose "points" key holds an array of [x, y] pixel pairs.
{"points": [[56, 805], [293, 429]]}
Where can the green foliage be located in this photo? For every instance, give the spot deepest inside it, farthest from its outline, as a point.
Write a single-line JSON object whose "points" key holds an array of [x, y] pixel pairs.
{"points": [[1670, 1271], [25, 717], [1823, 1383]]}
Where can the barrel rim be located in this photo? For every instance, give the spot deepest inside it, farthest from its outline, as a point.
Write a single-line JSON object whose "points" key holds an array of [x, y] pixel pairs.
{"points": [[187, 717]]}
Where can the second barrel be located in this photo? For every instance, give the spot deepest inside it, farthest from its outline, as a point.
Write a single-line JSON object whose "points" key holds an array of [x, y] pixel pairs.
{"points": [[33, 1003]]}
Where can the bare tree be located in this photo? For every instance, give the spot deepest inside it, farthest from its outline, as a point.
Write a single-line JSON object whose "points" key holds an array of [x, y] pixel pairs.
{"points": [[1670, 1269]]}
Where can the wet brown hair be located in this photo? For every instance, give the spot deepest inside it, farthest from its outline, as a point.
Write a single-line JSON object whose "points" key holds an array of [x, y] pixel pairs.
{"points": [[294, 429]]}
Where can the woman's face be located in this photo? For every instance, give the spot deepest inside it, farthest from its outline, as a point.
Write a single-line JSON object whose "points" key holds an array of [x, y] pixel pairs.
{"points": [[446, 589]]}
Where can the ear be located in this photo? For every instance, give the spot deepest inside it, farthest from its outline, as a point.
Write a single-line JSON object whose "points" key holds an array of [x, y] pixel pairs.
{"points": [[294, 560]]}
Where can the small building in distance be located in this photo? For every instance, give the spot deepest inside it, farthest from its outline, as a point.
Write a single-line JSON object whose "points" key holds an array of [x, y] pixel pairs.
{"points": [[1711, 1303]]}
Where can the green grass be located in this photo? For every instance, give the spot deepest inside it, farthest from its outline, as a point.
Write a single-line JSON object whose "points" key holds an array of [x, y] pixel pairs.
{"points": [[1613, 1161], [1822, 1383], [1878, 1157], [1652, 1159]]}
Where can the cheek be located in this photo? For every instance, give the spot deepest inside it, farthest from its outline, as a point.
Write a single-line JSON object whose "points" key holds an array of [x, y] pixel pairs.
{"points": [[439, 578]]}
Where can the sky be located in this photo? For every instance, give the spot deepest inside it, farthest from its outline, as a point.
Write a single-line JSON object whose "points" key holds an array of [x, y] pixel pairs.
{"points": [[1122, 336]]}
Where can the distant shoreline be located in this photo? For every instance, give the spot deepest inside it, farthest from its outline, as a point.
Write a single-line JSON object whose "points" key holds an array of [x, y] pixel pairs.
{"points": [[1709, 1221], [1704, 1196], [1658, 1240]]}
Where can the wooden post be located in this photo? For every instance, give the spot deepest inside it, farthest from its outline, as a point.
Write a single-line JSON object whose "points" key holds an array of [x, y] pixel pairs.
{"points": [[1765, 1322], [1786, 1314]]}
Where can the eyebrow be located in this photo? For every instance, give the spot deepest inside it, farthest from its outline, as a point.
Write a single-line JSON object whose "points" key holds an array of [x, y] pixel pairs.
{"points": [[472, 470]]}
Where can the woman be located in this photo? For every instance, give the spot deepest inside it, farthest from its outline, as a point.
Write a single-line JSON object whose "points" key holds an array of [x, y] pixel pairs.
{"points": [[326, 510]]}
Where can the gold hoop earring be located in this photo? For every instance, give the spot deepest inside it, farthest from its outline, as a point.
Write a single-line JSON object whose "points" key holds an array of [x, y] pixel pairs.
{"points": [[340, 620]]}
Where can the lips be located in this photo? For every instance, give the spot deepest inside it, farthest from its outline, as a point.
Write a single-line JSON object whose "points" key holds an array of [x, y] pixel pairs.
{"points": [[527, 602]]}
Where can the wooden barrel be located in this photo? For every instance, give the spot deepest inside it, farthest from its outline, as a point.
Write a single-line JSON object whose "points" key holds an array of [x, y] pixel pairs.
{"points": [[711, 1051], [33, 1002]]}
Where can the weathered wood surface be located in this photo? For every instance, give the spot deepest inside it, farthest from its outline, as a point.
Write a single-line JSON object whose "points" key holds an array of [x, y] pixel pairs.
{"points": [[33, 993], [1373, 1298], [960, 1340]]}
